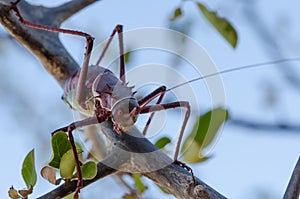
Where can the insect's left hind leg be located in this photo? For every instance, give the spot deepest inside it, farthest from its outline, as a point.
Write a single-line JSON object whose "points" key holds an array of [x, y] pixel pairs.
{"points": [[69, 129], [118, 29], [184, 104]]}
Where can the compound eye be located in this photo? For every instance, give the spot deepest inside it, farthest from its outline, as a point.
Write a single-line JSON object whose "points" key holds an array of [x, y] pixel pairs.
{"points": [[123, 113]]}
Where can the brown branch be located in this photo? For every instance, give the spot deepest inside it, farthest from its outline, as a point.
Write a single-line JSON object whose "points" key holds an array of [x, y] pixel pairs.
{"points": [[66, 10], [135, 154], [43, 44], [68, 188], [49, 50], [293, 188]]}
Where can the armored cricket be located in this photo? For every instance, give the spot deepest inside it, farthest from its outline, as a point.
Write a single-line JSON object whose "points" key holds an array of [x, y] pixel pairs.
{"points": [[99, 94]]}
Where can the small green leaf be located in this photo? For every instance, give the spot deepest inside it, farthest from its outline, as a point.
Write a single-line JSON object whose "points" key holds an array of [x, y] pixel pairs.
{"points": [[194, 152], [177, 13], [89, 170], [60, 145], [162, 142], [221, 24], [140, 186], [28, 170], [162, 189], [70, 196], [67, 165], [127, 56], [130, 196], [203, 134]]}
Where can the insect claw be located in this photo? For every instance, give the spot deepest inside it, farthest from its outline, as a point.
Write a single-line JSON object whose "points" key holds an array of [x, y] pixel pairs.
{"points": [[189, 169]]}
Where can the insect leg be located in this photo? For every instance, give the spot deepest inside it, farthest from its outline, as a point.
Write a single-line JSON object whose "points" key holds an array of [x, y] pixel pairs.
{"points": [[118, 29], [184, 104], [69, 129], [145, 100], [87, 54]]}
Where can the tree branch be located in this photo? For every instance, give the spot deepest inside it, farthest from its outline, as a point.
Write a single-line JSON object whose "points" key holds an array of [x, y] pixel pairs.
{"points": [[293, 188], [44, 45], [66, 10], [135, 154], [68, 188]]}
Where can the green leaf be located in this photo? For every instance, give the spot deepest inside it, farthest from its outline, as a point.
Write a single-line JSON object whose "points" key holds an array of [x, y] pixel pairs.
{"points": [[203, 134], [194, 152], [127, 56], [67, 165], [221, 24], [89, 170], [130, 196], [177, 13], [162, 142], [162, 189], [70, 196], [60, 145], [140, 186], [28, 170]]}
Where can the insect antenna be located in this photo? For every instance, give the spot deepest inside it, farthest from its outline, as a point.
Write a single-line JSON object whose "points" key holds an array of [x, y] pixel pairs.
{"points": [[249, 66]]}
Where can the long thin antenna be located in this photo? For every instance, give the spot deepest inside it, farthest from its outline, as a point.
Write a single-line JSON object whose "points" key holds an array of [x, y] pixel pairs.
{"points": [[236, 69]]}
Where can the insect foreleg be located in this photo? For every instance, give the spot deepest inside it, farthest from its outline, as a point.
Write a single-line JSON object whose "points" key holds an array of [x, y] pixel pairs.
{"points": [[69, 129], [159, 107], [145, 100]]}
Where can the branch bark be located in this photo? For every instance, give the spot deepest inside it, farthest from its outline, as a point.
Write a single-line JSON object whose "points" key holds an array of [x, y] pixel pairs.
{"points": [[135, 154], [43, 44], [54, 57], [293, 188]]}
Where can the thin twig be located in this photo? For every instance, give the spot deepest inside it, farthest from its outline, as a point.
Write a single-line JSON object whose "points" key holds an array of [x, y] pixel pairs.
{"points": [[293, 128], [68, 9]]}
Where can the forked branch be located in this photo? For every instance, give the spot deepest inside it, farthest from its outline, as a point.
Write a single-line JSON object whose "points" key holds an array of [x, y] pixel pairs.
{"points": [[48, 50]]}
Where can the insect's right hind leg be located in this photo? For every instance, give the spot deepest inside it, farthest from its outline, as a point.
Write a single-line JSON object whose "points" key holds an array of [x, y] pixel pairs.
{"points": [[118, 29]]}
